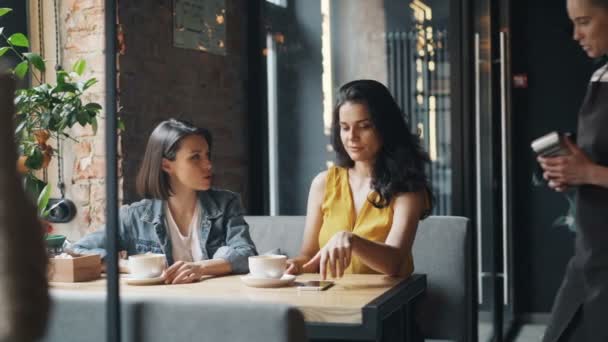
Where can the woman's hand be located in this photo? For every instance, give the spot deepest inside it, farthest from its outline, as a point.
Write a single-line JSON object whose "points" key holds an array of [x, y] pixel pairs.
{"points": [[182, 272], [294, 267], [335, 255], [570, 170]]}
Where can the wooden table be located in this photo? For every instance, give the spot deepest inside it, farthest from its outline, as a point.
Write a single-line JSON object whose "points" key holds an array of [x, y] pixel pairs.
{"points": [[355, 308]]}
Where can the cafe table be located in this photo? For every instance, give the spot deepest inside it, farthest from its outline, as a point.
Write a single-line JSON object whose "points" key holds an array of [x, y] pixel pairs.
{"points": [[357, 307]]}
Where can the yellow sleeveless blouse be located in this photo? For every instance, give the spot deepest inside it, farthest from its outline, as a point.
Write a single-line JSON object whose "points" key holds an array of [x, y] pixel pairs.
{"points": [[338, 212]]}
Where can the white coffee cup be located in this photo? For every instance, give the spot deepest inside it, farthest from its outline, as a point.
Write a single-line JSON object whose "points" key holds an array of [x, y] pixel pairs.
{"points": [[267, 266], [146, 265]]}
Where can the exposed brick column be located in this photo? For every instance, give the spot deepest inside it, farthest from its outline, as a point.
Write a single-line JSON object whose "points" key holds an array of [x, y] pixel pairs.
{"points": [[81, 28]]}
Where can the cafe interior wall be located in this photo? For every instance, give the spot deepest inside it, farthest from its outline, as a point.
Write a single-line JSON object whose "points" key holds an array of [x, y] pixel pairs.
{"points": [[156, 81]]}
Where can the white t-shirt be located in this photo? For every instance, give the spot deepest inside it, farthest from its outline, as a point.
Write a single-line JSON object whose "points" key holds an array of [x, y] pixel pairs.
{"points": [[185, 248]]}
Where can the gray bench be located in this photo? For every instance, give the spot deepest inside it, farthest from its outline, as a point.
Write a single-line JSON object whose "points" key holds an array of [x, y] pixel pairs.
{"points": [[442, 250], [81, 317]]}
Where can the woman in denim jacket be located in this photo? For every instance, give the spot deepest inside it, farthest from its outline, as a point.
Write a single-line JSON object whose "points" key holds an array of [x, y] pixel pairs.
{"points": [[200, 230]]}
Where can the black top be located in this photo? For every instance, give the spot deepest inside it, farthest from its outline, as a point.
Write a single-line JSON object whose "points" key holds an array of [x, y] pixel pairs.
{"points": [[592, 201], [585, 286]]}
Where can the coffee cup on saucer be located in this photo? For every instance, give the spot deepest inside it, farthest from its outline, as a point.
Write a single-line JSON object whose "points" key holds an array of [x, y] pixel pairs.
{"points": [[143, 266], [267, 266]]}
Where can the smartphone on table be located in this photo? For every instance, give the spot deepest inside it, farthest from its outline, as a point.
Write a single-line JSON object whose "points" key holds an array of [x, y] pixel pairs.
{"points": [[315, 285]]}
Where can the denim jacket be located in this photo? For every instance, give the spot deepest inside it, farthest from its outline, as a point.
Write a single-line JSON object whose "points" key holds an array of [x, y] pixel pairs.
{"points": [[223, 232]]}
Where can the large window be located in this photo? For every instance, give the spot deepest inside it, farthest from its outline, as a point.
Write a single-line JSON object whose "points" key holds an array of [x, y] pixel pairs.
{"points": [[314, 46]]}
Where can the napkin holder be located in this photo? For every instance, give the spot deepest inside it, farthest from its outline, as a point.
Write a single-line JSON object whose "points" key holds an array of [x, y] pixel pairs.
{"points": [[76, 269]]}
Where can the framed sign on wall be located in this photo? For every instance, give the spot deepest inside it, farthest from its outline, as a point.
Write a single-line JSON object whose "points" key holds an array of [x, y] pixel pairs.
{"points": [[200, 25]]}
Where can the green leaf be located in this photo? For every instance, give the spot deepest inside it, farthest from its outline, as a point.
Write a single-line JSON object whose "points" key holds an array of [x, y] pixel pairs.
{"points": [[61, 76], [43, 199], [65, 88], [4, 49], [89, 83], [34, 160], [3, 11], [71, 119], [83, 118], [36, 60], [79, 67], [33, 186], [20, 127], [95, 107], [18, 39], [21, 69], [48, 211], [94, 125]]}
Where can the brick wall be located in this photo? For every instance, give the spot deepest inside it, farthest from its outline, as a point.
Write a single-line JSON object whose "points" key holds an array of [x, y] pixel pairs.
{"points": [[158, 81], [82, 36]]}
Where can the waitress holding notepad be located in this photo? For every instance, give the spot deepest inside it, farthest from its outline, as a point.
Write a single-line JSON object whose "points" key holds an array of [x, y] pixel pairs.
{"points": [[580, 312]]}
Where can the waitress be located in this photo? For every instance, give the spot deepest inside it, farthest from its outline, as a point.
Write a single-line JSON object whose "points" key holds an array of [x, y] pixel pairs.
{"points": [[580, 312]]}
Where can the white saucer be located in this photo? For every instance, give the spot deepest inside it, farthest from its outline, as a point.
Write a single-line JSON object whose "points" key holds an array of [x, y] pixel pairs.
{"points": [[285, 280], [146, 281]]}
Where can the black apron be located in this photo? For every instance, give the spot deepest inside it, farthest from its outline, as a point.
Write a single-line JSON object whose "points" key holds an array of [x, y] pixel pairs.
{"points": [[584, 291]]}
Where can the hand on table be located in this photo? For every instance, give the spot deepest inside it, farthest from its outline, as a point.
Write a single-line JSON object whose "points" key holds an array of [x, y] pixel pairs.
{"points": [[294, 267], [570, 170], [182, 272], [335, 255]]}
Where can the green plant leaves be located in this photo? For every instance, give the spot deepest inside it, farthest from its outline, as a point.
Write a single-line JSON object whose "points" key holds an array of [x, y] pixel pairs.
{"points": [[89, 83], [3, 50], [21, 69], [20, 128], [35, 159], [82, 118], [18, 39], [33, 186], [43, 200], [96, 107], [4, 10], [94, 125], [79, 67], [35, 60]]}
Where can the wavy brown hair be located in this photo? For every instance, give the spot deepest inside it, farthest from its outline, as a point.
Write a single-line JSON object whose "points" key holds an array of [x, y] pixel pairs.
{"points": [[401, 161]]}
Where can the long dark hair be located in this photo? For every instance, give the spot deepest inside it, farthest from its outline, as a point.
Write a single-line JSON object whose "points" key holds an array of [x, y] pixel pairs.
{"points": [[600, 3], [164, 142], [401, 161]]}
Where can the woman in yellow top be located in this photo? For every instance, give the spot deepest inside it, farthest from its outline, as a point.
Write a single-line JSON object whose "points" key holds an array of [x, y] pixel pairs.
{"points": [[362, 215]]}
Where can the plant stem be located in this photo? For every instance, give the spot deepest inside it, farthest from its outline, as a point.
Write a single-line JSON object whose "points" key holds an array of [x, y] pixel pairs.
{"points": [[20, 55]]}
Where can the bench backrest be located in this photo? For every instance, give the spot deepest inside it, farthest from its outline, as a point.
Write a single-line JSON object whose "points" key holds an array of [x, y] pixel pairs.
{"points": [[81, 317]]}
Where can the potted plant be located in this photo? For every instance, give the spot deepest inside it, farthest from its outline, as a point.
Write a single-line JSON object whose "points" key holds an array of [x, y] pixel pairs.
{"points": [[54, 242], [45, 112]]}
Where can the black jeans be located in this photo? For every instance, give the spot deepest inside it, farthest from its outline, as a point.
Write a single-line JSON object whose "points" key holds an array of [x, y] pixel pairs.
{"points": [[574, 330]]}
